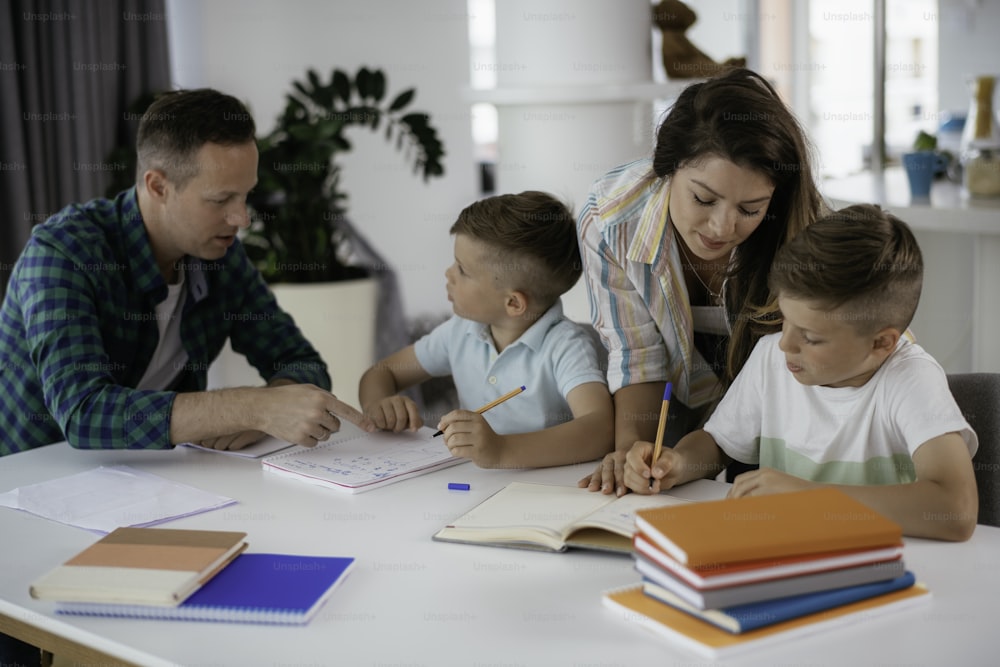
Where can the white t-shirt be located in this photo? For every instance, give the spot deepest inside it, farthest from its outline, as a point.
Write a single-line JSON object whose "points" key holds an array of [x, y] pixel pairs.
{"points": [[170, 356], [848, 435]]}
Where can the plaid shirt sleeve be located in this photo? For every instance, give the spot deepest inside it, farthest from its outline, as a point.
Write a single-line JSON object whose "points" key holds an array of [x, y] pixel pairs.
{"points": [[266, 334], [63, 339]]}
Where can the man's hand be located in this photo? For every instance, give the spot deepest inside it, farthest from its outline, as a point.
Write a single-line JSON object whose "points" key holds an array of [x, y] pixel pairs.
{"points": [[233, 441], [304, 414]]}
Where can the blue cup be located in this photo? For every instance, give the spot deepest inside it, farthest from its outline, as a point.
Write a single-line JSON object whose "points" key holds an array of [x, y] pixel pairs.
{"points": [[920, 167]]}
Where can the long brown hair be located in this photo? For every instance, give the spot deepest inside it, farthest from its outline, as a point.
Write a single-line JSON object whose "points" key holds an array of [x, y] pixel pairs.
{"points": [[739, 117]]}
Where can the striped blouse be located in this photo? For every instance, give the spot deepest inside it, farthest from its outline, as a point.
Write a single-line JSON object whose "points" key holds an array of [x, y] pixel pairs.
{"points": [[639, 302]]}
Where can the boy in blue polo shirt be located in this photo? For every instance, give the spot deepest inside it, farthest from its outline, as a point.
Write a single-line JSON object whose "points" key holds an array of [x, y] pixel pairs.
{"points": [[515, 256]]}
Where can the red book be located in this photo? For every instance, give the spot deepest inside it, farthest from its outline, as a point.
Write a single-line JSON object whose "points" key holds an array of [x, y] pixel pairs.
{"points": [[720, 575]]}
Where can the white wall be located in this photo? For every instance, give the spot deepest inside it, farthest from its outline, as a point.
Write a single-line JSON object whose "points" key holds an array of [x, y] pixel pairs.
{"points": [[968, 44], [253, 49]]}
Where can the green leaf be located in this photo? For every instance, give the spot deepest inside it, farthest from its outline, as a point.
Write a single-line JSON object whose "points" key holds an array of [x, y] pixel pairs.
{"points": [[342, 84], [378, 85], [925, 142], [313, 78], [402, 99], [363, 82]]}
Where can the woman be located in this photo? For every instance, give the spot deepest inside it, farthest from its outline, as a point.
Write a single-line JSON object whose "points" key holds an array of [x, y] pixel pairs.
{"points": [[676, 252]]}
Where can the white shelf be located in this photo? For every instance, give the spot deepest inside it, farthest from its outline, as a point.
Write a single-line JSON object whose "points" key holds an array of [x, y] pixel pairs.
{"points": [[947, 211], [610, 92]]}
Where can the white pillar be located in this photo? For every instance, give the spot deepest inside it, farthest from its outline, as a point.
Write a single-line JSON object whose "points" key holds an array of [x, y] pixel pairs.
{"points": [[573, 96]]}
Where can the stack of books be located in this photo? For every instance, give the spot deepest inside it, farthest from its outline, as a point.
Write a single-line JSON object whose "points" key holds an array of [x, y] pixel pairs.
{"points": [[201, 575], [728, 575]]}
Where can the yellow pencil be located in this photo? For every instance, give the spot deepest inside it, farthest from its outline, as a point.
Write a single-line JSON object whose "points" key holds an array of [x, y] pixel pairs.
{"points": [[494, 403], [658, 445]]}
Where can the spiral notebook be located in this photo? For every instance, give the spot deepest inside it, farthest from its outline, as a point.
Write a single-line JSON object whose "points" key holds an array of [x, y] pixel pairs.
{"points": [[280, 589], [354, 461]]}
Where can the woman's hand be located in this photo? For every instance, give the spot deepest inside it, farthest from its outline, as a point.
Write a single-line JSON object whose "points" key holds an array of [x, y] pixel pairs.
{"points": [[609, 476]]}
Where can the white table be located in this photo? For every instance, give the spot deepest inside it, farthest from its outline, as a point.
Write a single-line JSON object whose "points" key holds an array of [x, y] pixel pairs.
{"points": [[412, 601]]}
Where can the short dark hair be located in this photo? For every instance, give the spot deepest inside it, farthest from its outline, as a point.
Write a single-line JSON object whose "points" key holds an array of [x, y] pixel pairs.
{"points": [[533, 236], [860, 259], [178, 123]]}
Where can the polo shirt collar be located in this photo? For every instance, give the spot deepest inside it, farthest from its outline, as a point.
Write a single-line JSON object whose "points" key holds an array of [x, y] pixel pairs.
{"points": [[535, 334]]}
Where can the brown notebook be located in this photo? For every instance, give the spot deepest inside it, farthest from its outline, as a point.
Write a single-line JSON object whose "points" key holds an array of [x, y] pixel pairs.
{"points": [[773, 526], [155, 566]]}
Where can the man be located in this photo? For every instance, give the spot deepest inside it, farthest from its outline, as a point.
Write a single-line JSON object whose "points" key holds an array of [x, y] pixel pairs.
{"points": [[117, 307]]}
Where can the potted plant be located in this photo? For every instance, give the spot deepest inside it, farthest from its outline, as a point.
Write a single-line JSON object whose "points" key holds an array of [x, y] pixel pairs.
{"points": [[299, 231], [300, 238]]}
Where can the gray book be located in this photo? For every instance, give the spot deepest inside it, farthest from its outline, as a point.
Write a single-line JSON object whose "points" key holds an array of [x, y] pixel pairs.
{"points": [[766, 590]]}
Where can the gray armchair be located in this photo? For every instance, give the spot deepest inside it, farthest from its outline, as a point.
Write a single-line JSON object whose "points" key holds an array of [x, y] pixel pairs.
{"points": [[978, 396]]}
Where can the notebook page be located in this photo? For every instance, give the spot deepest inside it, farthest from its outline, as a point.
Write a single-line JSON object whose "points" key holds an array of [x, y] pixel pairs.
{"points": [[619, 516], [352, 458], [538, 506]]}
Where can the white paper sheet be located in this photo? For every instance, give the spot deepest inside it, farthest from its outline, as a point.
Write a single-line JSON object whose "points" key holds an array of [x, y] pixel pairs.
{"points": [[111, 496]]}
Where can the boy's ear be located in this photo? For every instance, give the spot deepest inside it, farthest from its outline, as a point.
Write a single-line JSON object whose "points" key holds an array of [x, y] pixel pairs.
{"points": [[517, 303], [885, 341]]}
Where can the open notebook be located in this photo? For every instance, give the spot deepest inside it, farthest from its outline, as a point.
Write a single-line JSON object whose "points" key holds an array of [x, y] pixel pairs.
{"points": [[354, 461]]}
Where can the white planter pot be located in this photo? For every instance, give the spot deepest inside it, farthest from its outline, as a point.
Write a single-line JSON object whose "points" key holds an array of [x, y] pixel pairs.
{"points": [[337, 318]]}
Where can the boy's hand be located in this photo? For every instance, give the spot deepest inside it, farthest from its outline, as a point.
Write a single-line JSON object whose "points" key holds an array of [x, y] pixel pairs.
{"points": [[469, 436], [665, 472], [394, 413], [766, 481]]}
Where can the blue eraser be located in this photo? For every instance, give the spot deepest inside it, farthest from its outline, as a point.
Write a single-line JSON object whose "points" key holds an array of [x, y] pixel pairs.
{"points": [[457, 486]]}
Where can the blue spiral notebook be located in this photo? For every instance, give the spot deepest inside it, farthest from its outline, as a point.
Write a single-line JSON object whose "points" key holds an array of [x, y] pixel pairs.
{"points": [[255, 588]]}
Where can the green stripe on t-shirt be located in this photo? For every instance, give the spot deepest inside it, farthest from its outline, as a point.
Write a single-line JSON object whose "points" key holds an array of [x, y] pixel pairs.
{"points": [[895, 469]]}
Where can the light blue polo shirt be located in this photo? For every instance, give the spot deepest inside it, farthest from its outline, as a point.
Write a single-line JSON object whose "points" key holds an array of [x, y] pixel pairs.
{"points": [[550, 359]]}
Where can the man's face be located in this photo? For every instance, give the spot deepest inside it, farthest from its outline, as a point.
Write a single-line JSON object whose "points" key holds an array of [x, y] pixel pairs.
{"points": [[201, 217]]}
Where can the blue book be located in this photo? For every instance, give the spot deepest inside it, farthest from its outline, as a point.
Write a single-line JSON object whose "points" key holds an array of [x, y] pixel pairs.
{"points": [[254, 588], [745, 617]]}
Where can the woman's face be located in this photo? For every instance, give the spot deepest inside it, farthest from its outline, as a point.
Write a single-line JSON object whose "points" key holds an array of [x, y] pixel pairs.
{"points": [[715, 205]]}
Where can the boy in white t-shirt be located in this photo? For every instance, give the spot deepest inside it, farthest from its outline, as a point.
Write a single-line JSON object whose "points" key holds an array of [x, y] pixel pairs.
{"points": [[840, 396]]}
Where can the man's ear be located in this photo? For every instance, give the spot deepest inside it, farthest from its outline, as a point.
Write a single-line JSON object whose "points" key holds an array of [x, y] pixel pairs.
{"points": [[516, 304], [885, 342], [156, 184]]}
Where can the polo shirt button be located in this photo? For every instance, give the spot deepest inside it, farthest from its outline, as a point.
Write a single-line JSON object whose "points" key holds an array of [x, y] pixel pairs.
{"points": [[493, 379]]}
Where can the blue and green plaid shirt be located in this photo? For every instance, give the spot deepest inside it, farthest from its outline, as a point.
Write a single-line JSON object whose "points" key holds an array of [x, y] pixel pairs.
{"points": [[78, 328]]}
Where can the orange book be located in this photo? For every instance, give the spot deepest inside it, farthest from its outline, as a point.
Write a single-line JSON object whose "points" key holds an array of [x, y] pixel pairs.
{"points": [[156, 566], [696, 635], [760, 527]]}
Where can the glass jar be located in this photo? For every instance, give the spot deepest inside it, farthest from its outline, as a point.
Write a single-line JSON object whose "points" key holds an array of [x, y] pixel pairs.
{"points": [[980, 151]]}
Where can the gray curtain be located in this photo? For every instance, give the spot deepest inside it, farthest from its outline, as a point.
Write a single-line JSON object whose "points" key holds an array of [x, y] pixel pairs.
{"points": [[68, 72]]}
